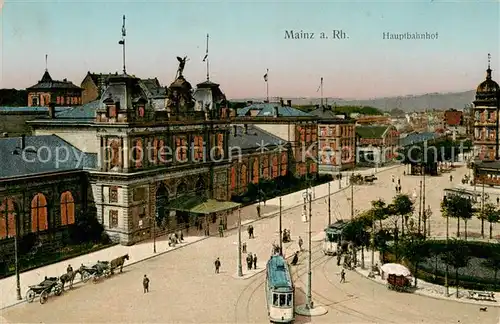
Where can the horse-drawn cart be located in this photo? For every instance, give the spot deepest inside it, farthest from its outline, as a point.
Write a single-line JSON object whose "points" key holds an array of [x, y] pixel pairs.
{"points": [[102, 269], [49, 285], [398, 277]]}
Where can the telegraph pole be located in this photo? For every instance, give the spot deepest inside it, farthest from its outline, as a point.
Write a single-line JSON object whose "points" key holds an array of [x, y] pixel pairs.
{"points": [[309, 275], [240, 267], [16, 252], [482, 211], [447, 255], [352, 197], [281, 231], [329, 205], [424, 216], [420, 207]]}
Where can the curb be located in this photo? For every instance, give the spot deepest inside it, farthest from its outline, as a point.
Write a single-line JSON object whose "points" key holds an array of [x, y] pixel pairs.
{"points": [[435, 297]]}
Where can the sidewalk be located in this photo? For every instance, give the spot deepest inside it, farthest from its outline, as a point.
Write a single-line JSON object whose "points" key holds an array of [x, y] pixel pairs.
{"points": [[144, 250], [424, 288]]}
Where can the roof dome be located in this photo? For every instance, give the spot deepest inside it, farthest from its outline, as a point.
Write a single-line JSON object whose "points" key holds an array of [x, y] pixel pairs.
{"points": [[488, 85]]}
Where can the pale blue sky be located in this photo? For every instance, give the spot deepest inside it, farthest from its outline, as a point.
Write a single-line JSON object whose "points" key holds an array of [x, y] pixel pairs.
{"points": [[247, 37]]}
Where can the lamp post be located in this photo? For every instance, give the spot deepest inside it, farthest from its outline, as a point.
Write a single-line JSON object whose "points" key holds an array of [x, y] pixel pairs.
{"points": [[281, 230], [420, 207], [447, 252], [329, 205], [18, 281], [309, 304], [352, 197], [240, 267], [423, 205]]}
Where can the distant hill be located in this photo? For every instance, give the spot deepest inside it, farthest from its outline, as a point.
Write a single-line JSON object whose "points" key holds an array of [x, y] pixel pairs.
{"points": [[440, 101]]}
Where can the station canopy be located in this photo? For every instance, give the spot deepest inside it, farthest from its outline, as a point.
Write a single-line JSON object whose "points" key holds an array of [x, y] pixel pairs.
{"points": [[201, 205]]}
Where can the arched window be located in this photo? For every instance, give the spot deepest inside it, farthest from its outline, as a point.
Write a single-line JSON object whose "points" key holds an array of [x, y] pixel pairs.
{"points": [[275, 167], [265, 167], [255, 171], [233, 177], [7, 219], [138, 153], [243, 177], [284, 164], [67, 208], [39, 215], [115, 151]]}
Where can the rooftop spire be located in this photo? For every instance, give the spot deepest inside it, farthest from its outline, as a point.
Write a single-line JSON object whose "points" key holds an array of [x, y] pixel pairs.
{"points": [[122, 43], [46, 57], [488, 71]]}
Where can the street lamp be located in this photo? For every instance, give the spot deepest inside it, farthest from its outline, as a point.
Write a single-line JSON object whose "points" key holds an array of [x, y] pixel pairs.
{"points": [[281, 230], [240, 267], [308, 309]]}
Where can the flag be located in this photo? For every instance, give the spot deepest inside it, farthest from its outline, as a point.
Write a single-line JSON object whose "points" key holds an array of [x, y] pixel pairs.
{"points": [[320, 85], [205, 58], [123, 27], [265, 76], [122, 42]]}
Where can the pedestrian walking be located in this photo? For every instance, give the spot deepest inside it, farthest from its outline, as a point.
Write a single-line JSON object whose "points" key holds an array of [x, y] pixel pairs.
{"points": [[255, 261], [244, 247], [399, 181], [145, 284], [451, 178], [217, 265], [221, 230], [249, 261], [301, 242], [498, 200], [258, 210], [342, 276]]}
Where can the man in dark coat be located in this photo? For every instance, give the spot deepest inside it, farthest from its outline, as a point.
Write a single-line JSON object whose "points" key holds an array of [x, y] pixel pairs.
{"points": [[255, 261], [145, 284], [217, 265], [249, 261]]}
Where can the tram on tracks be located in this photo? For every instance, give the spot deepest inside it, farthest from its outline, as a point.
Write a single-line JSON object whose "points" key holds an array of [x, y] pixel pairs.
{"points": [[279, 291]]}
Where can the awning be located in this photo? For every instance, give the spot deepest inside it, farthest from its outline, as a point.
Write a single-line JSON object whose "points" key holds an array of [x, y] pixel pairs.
{"points": [[201, 205]]}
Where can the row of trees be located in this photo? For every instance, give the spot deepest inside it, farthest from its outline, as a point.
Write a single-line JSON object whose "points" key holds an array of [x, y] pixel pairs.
{"points": [[408, 244], [462, 208]]}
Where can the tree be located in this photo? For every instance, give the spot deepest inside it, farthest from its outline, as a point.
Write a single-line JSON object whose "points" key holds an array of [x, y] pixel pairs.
{"points": [[457, 255], [493, 263], [483, 214], [403, 206], [493, 217], [379, 211], [459, 207], [355, 232], [415, 250]]}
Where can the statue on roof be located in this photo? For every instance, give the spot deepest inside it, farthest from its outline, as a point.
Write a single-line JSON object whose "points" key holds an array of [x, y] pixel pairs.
{"points": [[182, 64]]}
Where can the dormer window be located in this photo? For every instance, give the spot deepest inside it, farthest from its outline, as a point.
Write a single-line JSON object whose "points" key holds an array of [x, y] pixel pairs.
{"points": [[140, 104]]}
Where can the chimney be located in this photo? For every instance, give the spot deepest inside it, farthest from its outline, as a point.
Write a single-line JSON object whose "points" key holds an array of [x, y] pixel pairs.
{"points": [[52, 110], [289, 102], [281, 102], [246, 129], [23, 142], [276, 112], [65, 80]]}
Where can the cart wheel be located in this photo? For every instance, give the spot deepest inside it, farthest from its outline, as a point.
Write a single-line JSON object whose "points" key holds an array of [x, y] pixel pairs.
{"points": [[85, 276], [30, 295], [58, 290], [95, 279], [44, 296]]}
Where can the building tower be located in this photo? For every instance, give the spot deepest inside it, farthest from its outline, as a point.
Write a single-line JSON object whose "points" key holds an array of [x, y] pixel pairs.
{"points": [[486, 128]]}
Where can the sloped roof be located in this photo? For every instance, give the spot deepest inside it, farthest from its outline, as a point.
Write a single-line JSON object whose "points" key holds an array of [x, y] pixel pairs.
{"points": [[415, 138], [371, 131], [268, 110], [42, 154], [81, 113], [99, 78], [8, 109], [256, 138], [48, 83]]}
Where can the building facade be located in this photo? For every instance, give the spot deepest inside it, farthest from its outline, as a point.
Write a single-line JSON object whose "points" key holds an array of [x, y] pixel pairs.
{"points": [[486, 128], [59, 93], [336, 141], [376, 145]]}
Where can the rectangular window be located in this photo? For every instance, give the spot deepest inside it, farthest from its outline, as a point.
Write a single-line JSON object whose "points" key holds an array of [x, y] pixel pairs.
{"points": [[275, 299], [113, 194], [282, 300], [289, 300], [113, 218]]}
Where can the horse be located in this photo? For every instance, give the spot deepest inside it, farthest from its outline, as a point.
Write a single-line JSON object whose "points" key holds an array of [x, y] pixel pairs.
{"points": [[118, 263], [69, 277]]}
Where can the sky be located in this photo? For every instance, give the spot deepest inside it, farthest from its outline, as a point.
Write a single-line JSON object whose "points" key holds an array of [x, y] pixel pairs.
{"points": [[248, 37]]}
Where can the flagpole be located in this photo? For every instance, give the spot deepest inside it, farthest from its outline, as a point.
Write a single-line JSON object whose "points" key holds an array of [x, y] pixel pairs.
{"points": [[206, 58], [267, 85], [321, 85], [123, 44]]}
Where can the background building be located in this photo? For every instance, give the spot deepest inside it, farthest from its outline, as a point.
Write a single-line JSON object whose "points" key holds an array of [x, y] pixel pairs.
{"points": [[60, 93]]}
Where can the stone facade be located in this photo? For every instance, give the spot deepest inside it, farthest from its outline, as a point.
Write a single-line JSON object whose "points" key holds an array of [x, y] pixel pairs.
{"points": [[337, 145]]}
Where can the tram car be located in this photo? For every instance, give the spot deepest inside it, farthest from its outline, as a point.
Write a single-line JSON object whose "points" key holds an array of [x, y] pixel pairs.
{"points": [[279, 290]]}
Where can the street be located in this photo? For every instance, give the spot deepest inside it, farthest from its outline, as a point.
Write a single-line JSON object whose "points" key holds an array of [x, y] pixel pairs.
{"points": [[185, 289]]}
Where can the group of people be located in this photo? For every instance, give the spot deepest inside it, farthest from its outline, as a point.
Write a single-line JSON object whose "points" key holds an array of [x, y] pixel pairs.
{"points": [[251, 261], [397, 186], [175, 238], [286, 236]]}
